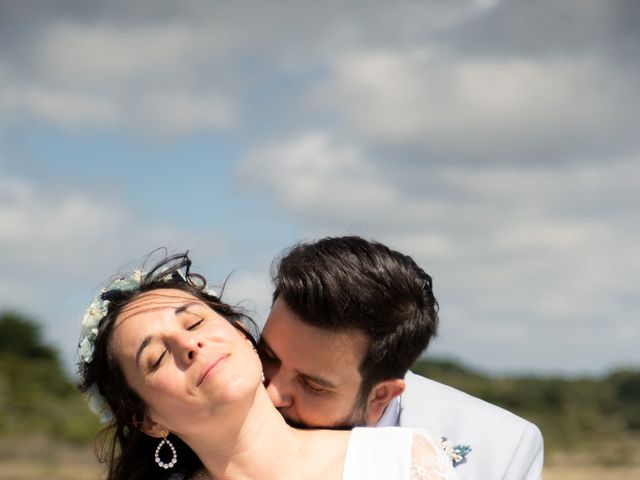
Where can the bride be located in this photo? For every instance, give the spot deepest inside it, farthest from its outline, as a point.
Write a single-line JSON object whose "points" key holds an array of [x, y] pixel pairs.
{"points": [[174, 372]]}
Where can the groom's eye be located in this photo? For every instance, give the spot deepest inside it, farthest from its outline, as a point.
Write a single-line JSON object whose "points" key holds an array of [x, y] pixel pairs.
{"points": [[265, 355], [309, 387]]}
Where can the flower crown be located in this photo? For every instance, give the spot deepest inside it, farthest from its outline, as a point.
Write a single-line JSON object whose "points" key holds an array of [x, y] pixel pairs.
{"points": [[90, 327]]}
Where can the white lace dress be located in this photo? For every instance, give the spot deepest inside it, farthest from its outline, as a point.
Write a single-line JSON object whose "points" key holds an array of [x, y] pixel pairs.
{"points": [[393, 453]]}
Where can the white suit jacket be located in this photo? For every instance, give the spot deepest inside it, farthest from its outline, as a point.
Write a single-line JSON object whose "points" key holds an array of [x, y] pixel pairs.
{"points": [[505, 446]]}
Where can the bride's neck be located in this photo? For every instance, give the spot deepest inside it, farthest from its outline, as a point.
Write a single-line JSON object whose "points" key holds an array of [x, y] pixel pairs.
{"points": [[254, 442]]}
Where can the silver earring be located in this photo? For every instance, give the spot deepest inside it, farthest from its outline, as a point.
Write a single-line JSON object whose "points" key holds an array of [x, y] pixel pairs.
{"points": [[174, 455], [263, 379]]}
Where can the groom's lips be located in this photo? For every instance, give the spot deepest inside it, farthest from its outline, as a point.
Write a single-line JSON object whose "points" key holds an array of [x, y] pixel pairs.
{"points": [[210, 366]]}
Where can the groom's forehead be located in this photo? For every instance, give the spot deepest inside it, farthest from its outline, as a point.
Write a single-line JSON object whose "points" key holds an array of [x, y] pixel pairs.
{"points": [[295, 341]]}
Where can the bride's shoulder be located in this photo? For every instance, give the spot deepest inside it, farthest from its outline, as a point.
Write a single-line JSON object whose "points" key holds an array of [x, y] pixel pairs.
{"points": [[429, 460], [394, 452]]}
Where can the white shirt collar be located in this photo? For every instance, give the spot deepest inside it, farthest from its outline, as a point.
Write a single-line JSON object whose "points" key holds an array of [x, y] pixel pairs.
{"points": [[391, 415]]}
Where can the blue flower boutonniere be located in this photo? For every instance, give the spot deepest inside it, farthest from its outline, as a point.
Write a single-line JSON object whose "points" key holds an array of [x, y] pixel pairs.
{"points": [[457, 453]]}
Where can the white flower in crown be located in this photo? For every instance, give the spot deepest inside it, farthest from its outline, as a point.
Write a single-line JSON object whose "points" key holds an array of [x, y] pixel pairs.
{"points": [[98, 405], [96, 311], [90, 323], [128, 283], [210, 291], [86, 347], [99, 309]]}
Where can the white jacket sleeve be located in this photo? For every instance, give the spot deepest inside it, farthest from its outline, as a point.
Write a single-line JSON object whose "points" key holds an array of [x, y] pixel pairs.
{"points": [[526, 462]]}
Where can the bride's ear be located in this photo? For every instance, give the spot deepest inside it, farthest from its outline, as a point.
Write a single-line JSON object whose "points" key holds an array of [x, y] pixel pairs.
{"points": [[150, 427]]}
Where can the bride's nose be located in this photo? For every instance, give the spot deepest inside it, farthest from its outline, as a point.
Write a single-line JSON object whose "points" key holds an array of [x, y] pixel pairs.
{"points": [[187, 346]]}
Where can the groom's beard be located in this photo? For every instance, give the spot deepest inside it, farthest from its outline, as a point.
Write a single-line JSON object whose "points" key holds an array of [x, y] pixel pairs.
{"points": [[357, 417]]}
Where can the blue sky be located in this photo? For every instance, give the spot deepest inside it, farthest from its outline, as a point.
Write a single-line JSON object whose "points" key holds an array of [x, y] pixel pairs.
{"points": [[494, 141]]}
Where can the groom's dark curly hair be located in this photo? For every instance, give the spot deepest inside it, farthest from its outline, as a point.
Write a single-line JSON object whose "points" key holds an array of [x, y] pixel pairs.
{"points": [[345, 283]]}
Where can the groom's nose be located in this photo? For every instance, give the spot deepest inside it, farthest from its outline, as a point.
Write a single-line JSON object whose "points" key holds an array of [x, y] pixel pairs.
{"points": [[279, 392]]}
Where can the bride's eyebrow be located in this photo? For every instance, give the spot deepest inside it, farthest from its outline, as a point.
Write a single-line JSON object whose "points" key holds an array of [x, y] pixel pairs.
{"points": [[147, 340], [185, 307]]}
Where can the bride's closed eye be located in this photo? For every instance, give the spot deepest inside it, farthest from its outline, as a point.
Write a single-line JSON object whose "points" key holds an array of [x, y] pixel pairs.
{"points": [[196, 325], [157, 363]]}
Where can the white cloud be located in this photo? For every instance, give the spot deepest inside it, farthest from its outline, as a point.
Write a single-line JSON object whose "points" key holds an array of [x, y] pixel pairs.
{"points": [[58, 245], [486, 108], [175, 72], [515, 251], [160, 80], [69, 53], [551, 234], [315, 173], [454, 131]]}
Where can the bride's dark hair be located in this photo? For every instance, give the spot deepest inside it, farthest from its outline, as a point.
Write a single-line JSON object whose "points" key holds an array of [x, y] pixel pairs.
{"points": [[128, 452]]}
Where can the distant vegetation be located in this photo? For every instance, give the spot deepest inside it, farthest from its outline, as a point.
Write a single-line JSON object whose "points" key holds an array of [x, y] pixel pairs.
{"points": [[38, 398], [578, 414], [36, 395]]}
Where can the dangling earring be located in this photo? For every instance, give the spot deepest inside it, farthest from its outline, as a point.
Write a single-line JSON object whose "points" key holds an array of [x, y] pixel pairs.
{"points": [[255, 350], [174, 455]]}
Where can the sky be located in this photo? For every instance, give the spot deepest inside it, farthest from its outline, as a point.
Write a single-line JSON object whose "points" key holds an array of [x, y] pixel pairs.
{"points": [[496, 142]]}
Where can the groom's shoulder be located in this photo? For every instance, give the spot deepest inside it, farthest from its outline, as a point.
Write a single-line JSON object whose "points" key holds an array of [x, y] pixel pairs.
{"points": [[436, 392], [503, 444], [436, 402]]}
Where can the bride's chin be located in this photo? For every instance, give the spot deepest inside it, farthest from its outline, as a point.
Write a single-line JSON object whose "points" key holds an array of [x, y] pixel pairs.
{"points": [[233, 388]]}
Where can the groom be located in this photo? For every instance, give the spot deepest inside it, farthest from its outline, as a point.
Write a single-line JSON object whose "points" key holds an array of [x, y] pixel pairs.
{"points": [[349, 317]]}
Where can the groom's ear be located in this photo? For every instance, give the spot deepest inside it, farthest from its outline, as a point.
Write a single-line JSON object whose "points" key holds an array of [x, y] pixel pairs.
{"points": [[380, 396]]}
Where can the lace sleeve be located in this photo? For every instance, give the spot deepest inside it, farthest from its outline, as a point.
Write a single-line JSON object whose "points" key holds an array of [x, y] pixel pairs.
{"points": [[429, 461]]}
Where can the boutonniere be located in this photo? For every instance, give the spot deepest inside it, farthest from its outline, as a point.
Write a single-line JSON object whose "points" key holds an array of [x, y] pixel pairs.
{"points": [[457, 453]]}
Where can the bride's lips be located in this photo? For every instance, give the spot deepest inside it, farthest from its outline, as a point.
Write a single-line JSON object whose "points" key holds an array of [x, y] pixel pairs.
{"points": [[210, 366]]}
